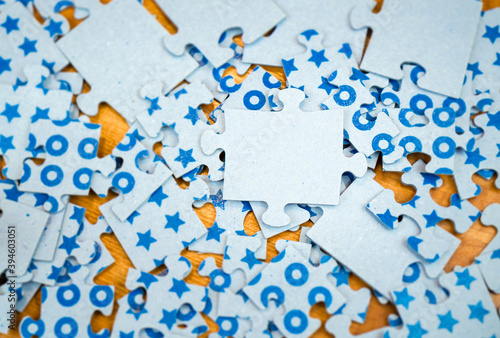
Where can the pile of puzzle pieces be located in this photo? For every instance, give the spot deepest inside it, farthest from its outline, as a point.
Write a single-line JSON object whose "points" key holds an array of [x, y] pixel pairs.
{"points": [[428, 82]]}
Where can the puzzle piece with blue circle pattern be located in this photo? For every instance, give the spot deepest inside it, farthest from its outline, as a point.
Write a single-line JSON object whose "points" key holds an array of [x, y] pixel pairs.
{"points": [[70, 160], [67, 309]]}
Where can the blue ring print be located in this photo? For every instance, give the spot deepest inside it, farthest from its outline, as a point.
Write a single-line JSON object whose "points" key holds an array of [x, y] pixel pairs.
{"points": [[247, 100], [266, 80], [420, 98], [49, 146], [295, 329], [77, 178], [44, 175], [224, 285], [383, 137], [356, 121], [413, 140], [131, 299], [304, 274], [130, 182], [127, 146], [462, 107], [415, 274], [26, 173], [186, 316], [224, 86], [431, 298], [75, 297], [142, 154], [414, 73], [232, 330], [96, 290], [53, 203], [437, 114], [92, 334], [272, 289], [66, 321], [217, 72], [402, 117], [84, 153], [320, 290], [40, 330], [347, 102], [444, 140]]}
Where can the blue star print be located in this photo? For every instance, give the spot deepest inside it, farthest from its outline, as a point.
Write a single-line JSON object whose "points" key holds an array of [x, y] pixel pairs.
{"points": [[403, 298], [6, 143], [78, 214], [497, 61], [492, 33], [192, 115], [430, 179], [474, 157], [40, 114], [157, 197], [341, 275], [326, 86], [4, 65], [432, 219], [10, 24], [250, 259], [412, 202], [214, 232], [49, 66], [179, 287], [28, 46], [54, 28], [288, 66], [138, 314], [474, 68], [169, 318], [69, 244], [494, 120], [217, 200], [464, 278], [346, 49], [11, 112], [416, 331], [174, 222], [11, 194], [185, 157], [495, 254], [387, 218], [131, 218], [358, 75], [147, 279], [308, 34], [318, 57], [478, 311], [447, 321], [153, 105], [41, 86], [145, 239]]}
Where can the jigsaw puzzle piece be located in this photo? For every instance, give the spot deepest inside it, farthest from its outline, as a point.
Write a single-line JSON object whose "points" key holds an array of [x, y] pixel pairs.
{"points": [[68, 309], [297, 216], [330, 18], [25, 43], [22, 226], [71, 159], [489, 260], [161, 312], [68, 245], [397, 39], [135, 58], [229, 218], [255, 19], [181, 112], [22, 106], [290, 272], [163, 225], [259, 160], [133, 184]]}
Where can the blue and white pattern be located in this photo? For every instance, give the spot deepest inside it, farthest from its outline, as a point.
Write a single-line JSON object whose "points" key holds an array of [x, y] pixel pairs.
{"points": [[489, 260], [68, 309]]}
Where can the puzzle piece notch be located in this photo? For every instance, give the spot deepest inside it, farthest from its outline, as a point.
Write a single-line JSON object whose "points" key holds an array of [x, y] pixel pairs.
{"points": [[489, 260], [254, 19], [285, 125], [397, 39]]}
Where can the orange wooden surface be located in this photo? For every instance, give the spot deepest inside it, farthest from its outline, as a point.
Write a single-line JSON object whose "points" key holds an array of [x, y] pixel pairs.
{"points": [[114, 128]]}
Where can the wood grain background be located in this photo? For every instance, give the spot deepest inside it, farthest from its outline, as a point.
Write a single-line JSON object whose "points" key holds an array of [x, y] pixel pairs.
{"points": [[114, 128]]}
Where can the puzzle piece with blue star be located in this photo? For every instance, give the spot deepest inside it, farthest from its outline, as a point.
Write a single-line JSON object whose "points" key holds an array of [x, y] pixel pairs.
{"points": [[135, 58], [26, 42], [133, 184], [330, 18], [68, 245], [489, 259], [253, 19], [21, 106], [163, 225], [181, 112], [433, 242], [297, 285], [276, 141], [70, 160], [229, 218], [167, 294], [398, 38], [68, 309], [479, 155]]}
